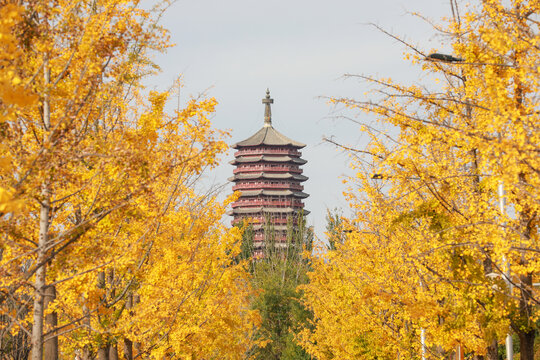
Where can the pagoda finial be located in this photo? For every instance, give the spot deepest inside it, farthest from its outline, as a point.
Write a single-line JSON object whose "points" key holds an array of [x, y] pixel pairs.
{"points": [[267, 112]]}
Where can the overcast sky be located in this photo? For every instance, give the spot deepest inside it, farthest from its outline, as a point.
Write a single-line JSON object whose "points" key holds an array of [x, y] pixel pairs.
{"points": [[299, 49]]}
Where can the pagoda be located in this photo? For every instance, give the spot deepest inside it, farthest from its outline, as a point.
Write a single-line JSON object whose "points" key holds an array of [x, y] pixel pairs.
{"points": [[268, 175]]}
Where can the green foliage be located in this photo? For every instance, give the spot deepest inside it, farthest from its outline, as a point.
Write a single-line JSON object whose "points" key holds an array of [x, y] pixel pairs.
{"points": [[246, 248], [334, 229], [280, 308], [277, 276]]}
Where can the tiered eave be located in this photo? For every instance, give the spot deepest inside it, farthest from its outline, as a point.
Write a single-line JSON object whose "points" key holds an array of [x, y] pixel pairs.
{"points": [[268, 175]]}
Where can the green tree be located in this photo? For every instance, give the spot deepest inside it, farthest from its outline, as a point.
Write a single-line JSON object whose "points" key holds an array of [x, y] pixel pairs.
{"points": [[277, 276], [334, 229]]}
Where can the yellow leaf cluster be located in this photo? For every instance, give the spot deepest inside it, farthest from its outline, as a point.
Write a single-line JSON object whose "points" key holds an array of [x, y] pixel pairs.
{"points": [[107, 176], [430, 245]]}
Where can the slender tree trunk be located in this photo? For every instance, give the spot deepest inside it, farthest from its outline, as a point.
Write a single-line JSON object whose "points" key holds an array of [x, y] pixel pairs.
{"points": [[113, 352], [492, 352], [103, 353], [50, 347], [128, 349], [128, 344], [111, 289], [526, 345], [40, 282], [40, 285], [526, 330], [86, 354], [137, 346], [526, 309], [137, 350]]}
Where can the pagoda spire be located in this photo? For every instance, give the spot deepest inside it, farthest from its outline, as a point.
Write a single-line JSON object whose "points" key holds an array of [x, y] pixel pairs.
{"points": [[267, 111]]}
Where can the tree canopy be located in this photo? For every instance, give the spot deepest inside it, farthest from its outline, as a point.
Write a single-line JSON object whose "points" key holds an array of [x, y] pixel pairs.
{"points": [[430, 250], [107, 250]]}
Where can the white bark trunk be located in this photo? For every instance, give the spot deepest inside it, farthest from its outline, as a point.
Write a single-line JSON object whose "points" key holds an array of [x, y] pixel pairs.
{"points": [[40, 282]]}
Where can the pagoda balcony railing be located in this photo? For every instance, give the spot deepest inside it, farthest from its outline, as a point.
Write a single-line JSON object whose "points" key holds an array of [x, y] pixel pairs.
{"points": [[278, 238], [261, 220], [245, 169], [267, 186], [275, 203], [264, 151]]}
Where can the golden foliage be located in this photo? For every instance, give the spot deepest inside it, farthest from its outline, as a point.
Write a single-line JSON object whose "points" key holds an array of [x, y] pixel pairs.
{"points": [[428, 245], [134, 252]]}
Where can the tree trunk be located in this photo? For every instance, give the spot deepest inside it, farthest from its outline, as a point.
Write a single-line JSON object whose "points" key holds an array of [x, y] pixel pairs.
{"points": [[492, 351], [39, 284], [86, 354], [526, 345], [526, 334], [526, 330], [50, 346], [137, 346], [128, 344], [138, 350], [113, 352], [128, 349], [103, 353], [111, 290]]}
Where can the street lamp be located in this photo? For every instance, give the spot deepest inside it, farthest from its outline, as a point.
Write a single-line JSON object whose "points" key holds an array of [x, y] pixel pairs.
{"points": [[443, 57]]}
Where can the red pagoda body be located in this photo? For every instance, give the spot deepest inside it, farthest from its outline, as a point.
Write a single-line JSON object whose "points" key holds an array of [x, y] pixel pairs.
{"points": [[268, 175]]}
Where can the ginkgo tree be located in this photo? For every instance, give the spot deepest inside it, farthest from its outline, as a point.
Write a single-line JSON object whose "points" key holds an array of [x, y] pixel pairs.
{"points": [[104, 241], [433, 263]]}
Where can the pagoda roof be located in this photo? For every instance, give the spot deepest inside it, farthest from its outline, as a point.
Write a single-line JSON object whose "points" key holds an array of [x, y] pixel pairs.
{"points": [[268, 136], [267, 158], [267, 175], [299, 194]]}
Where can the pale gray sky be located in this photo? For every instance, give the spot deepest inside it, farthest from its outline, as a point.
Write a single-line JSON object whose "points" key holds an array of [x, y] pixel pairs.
{"points": [[233, 50]]}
